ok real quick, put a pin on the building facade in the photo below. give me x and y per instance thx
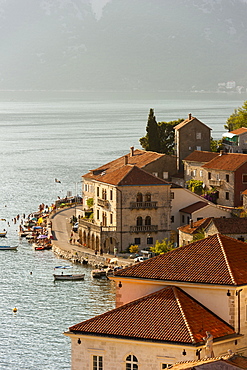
(130, 207)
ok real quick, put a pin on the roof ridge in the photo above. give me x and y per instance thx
(226, 259)
(183, 314)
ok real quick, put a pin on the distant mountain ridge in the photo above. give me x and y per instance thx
(130, 44)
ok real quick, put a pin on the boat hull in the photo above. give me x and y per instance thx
(7, 248)
(69, 277)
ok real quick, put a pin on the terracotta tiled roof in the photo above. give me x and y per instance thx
(193, 207)
(230, 225)
(188, 120)
(201, 156)
(128, 175)
(144, 319)
(244, 192)
(217, 259)
(140, 158)
(197, 225)
(227, 161)
(239, 131)
(230, 362)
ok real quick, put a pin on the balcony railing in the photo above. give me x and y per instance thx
(215, 182)
(143, 205)
(143, 228)
(102, 202)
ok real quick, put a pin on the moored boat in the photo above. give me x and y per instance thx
(3, 233)
(68, 276)
(8, 247)
(98, 273)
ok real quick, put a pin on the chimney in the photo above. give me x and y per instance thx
(131, 151)
(189, 116)
(125, 160)
(191, 223)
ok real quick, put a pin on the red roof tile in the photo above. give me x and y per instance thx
(217, 259)
(228, 362)
(128, 175)
(193, 207)
(239, 131)
(187, 121)
(227, 161)
(230, 225)
(201, 156)
(197, 225)
(140, 158)
(144, 319)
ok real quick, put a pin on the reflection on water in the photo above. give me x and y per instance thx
(32, 338)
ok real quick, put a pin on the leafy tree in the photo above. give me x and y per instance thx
(134, 249)
(238, 118)
(199, 235)
(167, 136)
(196, 186)
(216, 145)
(160, 136)
(162, 247)
(90, 202)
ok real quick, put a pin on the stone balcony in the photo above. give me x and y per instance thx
(143, 228)
(143, 205)
(102, 203)
(215, 182)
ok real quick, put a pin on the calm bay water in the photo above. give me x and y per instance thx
(63, 136)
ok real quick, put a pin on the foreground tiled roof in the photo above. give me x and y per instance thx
(193, 207)
(129, 175)
(227, 161)
(168, 315)
(239, 131)
(228, 362)
(197, 225)
(140, 158)
(201, 156)
(230, 225)
(217, 259)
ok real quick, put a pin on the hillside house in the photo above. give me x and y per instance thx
(235, 141)
(194, 162)
(186, 206)
(226, 173)
(190, 135)
(164, 307)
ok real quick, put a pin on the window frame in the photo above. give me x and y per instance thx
(132, 361)
(99, 364)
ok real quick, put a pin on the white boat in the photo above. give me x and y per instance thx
(3, 233)
(63, 276)
(98, 273)
(69, 276)
(7, 247)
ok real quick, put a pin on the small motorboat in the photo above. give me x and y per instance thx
(98, 273)
(63, 276)
(3, 233)
(69, 276)
(8, 248)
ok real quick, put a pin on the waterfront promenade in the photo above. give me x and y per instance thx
(61, 230)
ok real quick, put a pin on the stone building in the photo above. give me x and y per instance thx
(165, 308)
(190, 135)
(235, 141)
(226, 173)
(130, 207)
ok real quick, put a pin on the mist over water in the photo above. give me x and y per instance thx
(63, 135)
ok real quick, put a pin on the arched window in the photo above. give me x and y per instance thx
(148, 220)
(131, 362)
(139, 221)
(139, 197)
(148, 197)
